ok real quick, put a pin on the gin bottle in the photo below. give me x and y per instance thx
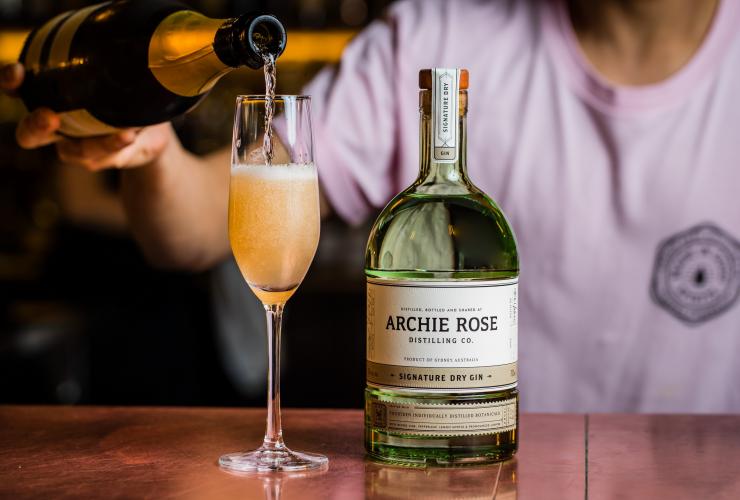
(442, 271)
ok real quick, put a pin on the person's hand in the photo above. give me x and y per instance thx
(125, 149)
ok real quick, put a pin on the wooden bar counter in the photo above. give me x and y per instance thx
(91, 452)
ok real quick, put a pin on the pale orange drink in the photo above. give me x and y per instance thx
(274, 226)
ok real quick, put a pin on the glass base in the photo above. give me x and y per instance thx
(266, 460)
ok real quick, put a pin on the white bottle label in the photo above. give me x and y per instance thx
(451, 335)
(445, 106)
(430, 419)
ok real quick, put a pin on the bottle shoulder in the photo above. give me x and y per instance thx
(424, 230)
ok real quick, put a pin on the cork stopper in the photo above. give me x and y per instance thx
(425, 79)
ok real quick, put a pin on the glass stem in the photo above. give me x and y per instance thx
(274, 432)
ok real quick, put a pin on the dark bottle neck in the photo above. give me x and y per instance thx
(244, 40)
(189, 52)
(432, 169)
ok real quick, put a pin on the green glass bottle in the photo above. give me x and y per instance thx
(442, 271)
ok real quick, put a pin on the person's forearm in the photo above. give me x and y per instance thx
(177, 208)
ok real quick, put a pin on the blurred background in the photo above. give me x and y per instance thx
(85, 320)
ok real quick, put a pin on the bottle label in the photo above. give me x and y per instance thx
(50, 44)
(57, 36)
(445, 106)
(452, 335)
(427, 419)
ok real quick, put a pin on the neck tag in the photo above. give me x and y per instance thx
(445, 106)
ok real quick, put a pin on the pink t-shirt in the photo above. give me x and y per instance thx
(625, 200)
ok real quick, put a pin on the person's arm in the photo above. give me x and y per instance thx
(177, 207)
(176, 203)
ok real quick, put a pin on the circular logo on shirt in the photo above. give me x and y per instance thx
(697, 273)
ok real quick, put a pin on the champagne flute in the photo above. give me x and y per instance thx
(274, 231)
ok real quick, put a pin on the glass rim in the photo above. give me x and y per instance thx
(278, 97)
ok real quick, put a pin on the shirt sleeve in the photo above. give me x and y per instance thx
(353, 110)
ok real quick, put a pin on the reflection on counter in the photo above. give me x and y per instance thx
(273, 482)
(497, 481)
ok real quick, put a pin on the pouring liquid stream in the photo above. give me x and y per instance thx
(268, 150)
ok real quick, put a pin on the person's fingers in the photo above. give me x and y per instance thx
(129, 148)
(91, 150)
(71, 152)
(150, 143)
(11, 77)
(37, 129)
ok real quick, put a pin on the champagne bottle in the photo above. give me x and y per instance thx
(442, 271)
(132, 63)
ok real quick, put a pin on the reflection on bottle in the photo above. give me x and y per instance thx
(465, 483)
(419, 238)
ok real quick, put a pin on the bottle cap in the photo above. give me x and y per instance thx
(425, 79)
